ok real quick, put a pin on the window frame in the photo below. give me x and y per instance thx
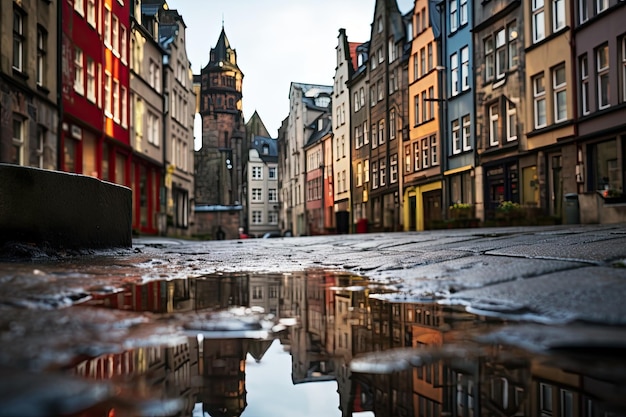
(539, 101)
(456, 137)
(467, 133)
(79, 75)
(454, 74)
(602, 74)
(42, 41)
(465, 77)
(558, 90)
(454, 16)
(511, 121)
(19, 39)
(538, 24)
(494, 124)
(583, 70)
(558, 11)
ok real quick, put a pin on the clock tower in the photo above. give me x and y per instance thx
(219, 163)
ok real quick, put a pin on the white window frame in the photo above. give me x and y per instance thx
(584, 84)
(583, 11)
(559, 88)
(257, 217)
(18, 140)
(107, 26)
(538, 21)
(603, 77)
(115, 35)
(271, 173)
(116, 100)
(374, 174)
(501, 59)
(463, 12)
(123, 44)
(417, 156)
(454, 74)
(257, 172)
(257, 195)
(91, 80)
(42, 38)
(490, 62)
(558, 15)
(381, 131)
(79, 6)
(79, 75)
(425, 153)
(91, 13)
(18, 39)
(494, 116)
(467, 133)
(511, 121)
(382, 171)
(512, 35)
(124, 106)
(272, 195)
(359, 174)
(465, 80)
(539, 101)
(393, 169)
(456, 137)
(408, 160)
(434, 151)
(454, 16)
(392, 124)
(601, 5)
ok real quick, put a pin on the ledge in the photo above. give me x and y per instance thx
(59, 210)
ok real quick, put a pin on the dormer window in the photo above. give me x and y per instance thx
(266, 149)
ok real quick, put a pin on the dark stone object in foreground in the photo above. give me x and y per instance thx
(59, 210)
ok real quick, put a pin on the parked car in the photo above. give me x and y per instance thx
(269, 235)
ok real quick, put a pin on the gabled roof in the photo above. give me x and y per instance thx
(353, 54)
(320, 132)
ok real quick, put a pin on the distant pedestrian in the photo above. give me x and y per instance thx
(220, 233)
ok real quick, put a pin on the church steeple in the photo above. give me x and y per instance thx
(223, 55)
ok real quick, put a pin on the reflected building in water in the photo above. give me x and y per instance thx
(341, 317)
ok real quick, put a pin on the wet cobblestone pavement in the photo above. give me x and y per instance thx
(507, 321)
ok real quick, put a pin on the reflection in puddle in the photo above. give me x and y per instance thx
(389, 358)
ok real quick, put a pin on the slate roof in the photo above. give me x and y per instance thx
(259, 142)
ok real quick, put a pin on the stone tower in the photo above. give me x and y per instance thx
(218, 164)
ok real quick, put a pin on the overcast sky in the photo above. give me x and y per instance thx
(277, 42)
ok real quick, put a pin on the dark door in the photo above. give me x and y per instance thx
(432, 207)
(412, 213)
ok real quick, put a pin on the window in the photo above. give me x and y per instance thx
(381, 132)
(79, 6)
(584, 84)
(392, 50)
(257, 173)
(454, 75)
(501, 61)
(271, 173)
(366, 170)
(463, 13)
(381, 90)
(538, 22)
(116, 100)
(583, 11)
(513, 35)
(558, 15)
(425, 153)
(454, 25)
(123, 43)
(382, 166)
(408, 165)
(272, 195)
(356, 102)
(257, 194)
(465, 81)
(393, 169)
(431, 103)
(601, 5)
(417, 155)
(560, 93)
(123, 105)
(153, 129)
(42, 39)
(489, 59)
(17, 150)
(539, 101)
(456, 137)
(374, 174)
(434, 155)
(494, 112)
(91, 12)
(416, 70)
(91, 80)
(605, 168)
(115, 37)
(602, 71)
(424, 107)
(392, 124)
(374, 136)
(381, 56)
(18, 39)
(372, 96)
(511, 121)
(422, 61)
(429, 48)
(107, 26)
(416, 105)
(272, 218)
(359, 174)
(466, 133)
(257, 218)
(79, 80)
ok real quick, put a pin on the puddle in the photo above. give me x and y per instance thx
(306, 344)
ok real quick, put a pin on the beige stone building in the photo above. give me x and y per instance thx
(28, 84)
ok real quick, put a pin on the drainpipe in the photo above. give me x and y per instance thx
(59, 80)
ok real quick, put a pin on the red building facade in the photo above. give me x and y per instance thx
(95, 91)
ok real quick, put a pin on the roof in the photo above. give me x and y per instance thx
(259, 143)
(318, 132)
(353, 53)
